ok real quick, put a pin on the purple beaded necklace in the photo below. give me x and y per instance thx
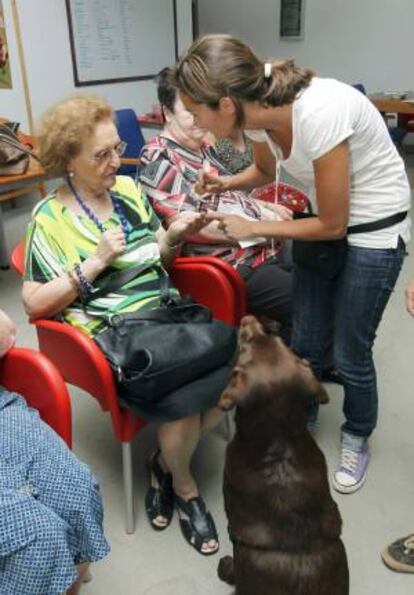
(91, 215)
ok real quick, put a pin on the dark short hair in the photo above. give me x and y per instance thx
(166, 90)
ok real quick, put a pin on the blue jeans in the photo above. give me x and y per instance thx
(350, 309)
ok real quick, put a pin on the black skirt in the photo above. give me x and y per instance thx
(196, 397)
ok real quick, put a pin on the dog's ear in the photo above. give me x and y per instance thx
(321, 395)
(318, 391)
(315, 393)
(234, 391)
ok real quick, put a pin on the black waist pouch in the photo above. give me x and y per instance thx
(327, 257)
(324, 257)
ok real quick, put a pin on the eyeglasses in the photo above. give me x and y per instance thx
(106, 155)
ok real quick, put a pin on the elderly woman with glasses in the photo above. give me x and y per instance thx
(84, 233)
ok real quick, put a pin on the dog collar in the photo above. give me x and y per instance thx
(264, 548)
(237, 541)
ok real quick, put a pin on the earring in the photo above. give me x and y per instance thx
(70, 174)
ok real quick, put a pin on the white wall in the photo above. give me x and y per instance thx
(369, 41)
(355, 40)
(49, 63)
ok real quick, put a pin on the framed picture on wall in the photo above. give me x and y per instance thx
(5, 73)
(292, 19)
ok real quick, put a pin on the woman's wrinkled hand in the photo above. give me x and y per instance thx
(234, 226)
(184, 225)
(111, 245)
(409, 297)
(210, 183)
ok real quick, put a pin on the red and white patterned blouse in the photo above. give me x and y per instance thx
(167, 177)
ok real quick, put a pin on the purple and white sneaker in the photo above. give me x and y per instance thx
(352, 470)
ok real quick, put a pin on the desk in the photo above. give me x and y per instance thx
(151, 121)
(398, 106)
(34, 175)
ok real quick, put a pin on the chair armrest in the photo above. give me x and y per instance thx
(83, 364)
(77, 356)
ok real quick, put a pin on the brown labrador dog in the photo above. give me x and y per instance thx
(284, 525)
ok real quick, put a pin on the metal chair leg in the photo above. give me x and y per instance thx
(128, 486)
(4, 258)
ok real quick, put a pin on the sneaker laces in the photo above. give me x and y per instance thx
(409, 545)
(349, 460)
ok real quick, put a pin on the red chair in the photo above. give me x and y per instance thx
(213, 282)
(81, 363)
(33, 376)
(406, 121)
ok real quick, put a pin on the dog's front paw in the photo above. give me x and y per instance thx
(225, 570)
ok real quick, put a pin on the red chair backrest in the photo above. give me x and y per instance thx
(17, 258)
(32, 375)
(214, 283)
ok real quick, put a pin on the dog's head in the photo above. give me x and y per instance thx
(268, 371)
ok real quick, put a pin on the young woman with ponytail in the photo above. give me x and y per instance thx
(332, 139)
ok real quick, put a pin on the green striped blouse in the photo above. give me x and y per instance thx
(58, 238)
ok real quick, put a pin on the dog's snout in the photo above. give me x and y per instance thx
(250, 328)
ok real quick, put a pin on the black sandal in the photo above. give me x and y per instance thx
(159, 501)
(197, 524)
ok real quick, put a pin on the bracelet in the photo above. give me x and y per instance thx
(73, 281)
(85, 288)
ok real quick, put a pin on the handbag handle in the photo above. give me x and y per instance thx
(181, 311)
(13, 141)
(123, 277)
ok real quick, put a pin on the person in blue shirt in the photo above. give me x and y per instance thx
(50, 505)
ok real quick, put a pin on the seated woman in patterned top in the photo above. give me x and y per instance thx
(50, 505)
(93, 226)
(171, 165)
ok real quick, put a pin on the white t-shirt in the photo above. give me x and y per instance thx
(325, 114)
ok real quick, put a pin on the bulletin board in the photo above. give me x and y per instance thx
(121, 40)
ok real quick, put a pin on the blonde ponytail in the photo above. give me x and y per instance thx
(219, 66)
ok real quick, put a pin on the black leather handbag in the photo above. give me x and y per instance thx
(327, 257)
(156, 351)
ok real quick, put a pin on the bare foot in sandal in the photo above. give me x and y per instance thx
(197, 525)
(159, 500)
